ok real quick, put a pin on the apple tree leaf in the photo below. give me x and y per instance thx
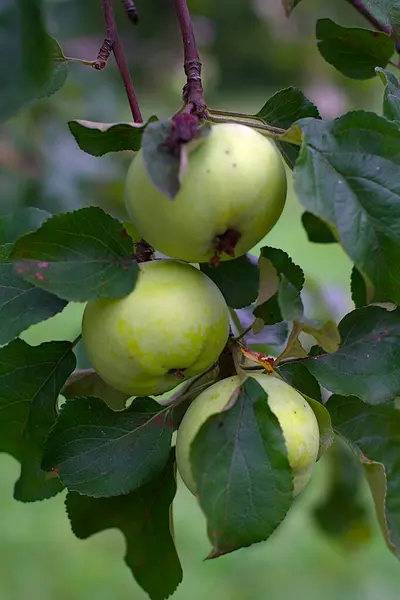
(283, 109)
(242, 473)
(59, 71)
(344, 176)
(343, 514)
(317, 231)
(98, 139)
(237, 279)
(367, 363)
(391, 96)
(166, 145)
(358, 288)
(280, 284)
(87, 383)
(353, 51)
(299, 377)
(21, 304)
(82, 255)
(373, 432)
(31, 379)
(143, 517)
(100, 452)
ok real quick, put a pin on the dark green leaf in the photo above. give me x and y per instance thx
(30, 381)
(317, 231)
(358, 288)
(59, 71)
(296, 375)
(367, 364)
(143, 517)
(21, 304)
(88, 383)
(280, 284)
(344, 175)
(289, 301)
(25, 54)
(343, 514)
(83, 255)
(374, 432)
(162, 163)
(352, 51)
(237, 279)
(98, 139)
(100, 452)
(282, 110)
(391, 97)
(242, 473)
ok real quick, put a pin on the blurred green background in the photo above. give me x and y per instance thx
(249, 51)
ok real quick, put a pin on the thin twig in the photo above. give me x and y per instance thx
(112, 35)
(359, 6)
(193, 90)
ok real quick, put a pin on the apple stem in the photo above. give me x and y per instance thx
(359, 6)
(193, 93)
(219, 116)
(112, 38)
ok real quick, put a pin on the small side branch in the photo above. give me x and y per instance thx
(193, 91)
(113, 38)
(359, 6)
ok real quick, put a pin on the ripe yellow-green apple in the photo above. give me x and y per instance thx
(173, 325)
(296, 418)
(232, 193)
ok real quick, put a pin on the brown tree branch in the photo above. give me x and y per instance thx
(113, 37)
(359, 6)
(193, 91)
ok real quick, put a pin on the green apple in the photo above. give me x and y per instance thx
(173, 325)
(235, 182)
(297, 420)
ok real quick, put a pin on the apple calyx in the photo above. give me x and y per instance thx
(225, 243)
(179, 373)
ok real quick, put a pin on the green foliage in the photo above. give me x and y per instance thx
(344, 176)
(79, 256)
(391, 97)
(98, 139)
(227, 274)
(352, 51)
(242, 473)
(367, 362)
(282, 110)
(21, 304)
(102, 453)
(143, 516)
(31, 379)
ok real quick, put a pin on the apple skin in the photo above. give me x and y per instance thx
(175, 318)
(235, 179)
(298, 422)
